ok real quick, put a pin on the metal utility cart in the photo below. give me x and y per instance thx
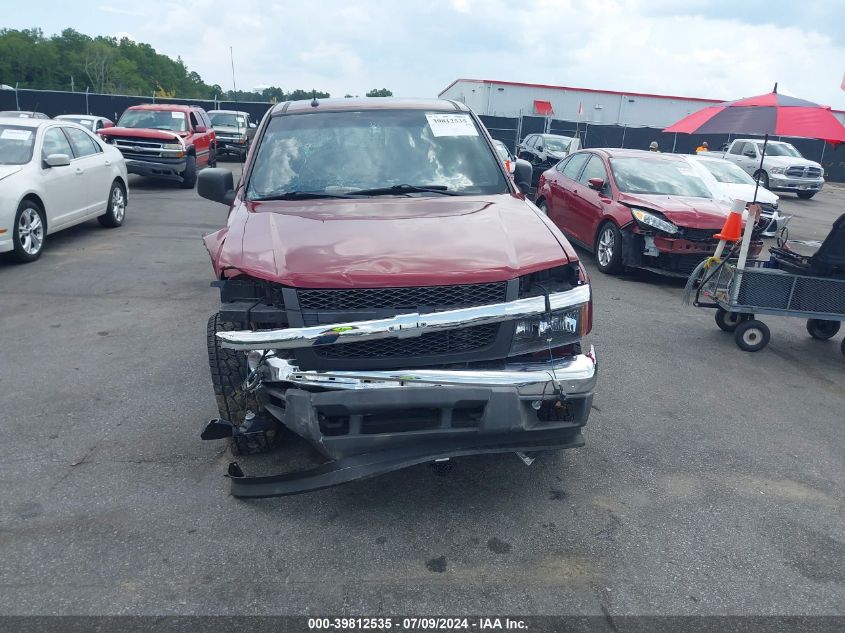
(741, 294)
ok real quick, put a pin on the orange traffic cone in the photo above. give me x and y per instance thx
(732, 230)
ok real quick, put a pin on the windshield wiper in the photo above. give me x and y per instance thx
(303, 195)
(400, 189)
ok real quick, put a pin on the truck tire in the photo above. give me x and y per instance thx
(805, 195)
(822, 330)
(228, 372)
(764, 179)
(212, 156)
(189, 176)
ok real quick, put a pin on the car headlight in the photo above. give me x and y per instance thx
(549, 331)
(778, 170)
(821, 175)
(653, 221)
(176, 146)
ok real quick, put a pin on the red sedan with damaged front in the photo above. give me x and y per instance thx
(634, 209)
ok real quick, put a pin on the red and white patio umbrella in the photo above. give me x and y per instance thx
(771, 114)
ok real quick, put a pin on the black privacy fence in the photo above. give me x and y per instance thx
(509, 130)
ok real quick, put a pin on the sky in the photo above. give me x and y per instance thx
(716, 49)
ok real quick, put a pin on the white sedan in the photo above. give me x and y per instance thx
(55, 174)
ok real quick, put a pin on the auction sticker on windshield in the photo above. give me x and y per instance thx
(16, 135)
(451, 124)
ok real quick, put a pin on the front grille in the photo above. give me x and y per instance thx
(803, 172)
(442, 297)
(699, 235)
(144, 143)
(433, 344)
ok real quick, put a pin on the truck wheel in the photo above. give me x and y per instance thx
(752, 336)
(806, 195)
(764, 179)
(116, 211)
(228, 372)
(609, 249)
(212, 156)
(821, 329)
(189, 176)
(728, 321)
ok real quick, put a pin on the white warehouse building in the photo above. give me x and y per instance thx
(512, 99)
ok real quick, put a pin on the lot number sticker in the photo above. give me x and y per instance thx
(16, 135)
(451, 124)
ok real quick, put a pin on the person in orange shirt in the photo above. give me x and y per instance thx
(701, 149)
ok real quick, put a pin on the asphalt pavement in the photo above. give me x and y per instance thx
(711, 481)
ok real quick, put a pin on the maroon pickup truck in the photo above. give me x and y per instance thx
(165, 141)
(389, 294)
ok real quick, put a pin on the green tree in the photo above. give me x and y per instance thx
(379, 92)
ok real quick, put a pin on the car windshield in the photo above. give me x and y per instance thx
(557, 144)
(341, 152)
(16, 144)
(226, 119)
(154, 119)
(725, 171)
(657, 176)
(502, 150)
(779, 149)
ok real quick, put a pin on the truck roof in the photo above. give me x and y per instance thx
(368, 103)
(174, 107)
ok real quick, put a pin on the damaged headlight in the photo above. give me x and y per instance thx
(654, 221)
(549, 331)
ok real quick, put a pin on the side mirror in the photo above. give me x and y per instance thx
(57, 160)
(200, 129)
(252, 125)
(522, 173)
(596, 183)
(540, 148)
(216, 184)
(750, 153)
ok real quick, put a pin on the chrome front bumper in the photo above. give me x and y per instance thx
(403, 325)
(570, 376)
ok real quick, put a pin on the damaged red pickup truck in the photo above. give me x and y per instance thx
(389, 294)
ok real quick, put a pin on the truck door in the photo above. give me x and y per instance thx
(745, 155)
(202, 140)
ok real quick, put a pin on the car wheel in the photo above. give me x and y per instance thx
(806, 195)
(728, 321)
(228, 371)
(609, 249)
(30, 231)
(752, 336)
(821, 329)
(116, 211)
(189, 176)
(764, 179)
(543, 207)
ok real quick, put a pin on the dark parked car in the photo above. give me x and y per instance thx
(388, 294)
(634, 209)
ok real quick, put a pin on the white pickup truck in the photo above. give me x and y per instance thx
(784, 169)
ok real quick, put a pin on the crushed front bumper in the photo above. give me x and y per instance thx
(779, 182)
(163, 168)
(369, 422)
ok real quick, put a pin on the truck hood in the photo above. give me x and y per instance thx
(789, 161)
(8, 170)
(140, 132)
(383, 242)
(694, 213)
(733, 190)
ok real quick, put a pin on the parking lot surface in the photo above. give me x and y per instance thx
(711, 482)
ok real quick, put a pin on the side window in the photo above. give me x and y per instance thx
(194, 122)
(55, 142)
(594, 169)
(99, 125)
(737, 148)
(204, 120)
(529, 140)
(83, 145)
(571, 169)
(562, 164)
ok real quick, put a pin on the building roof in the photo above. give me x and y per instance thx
(595, 90)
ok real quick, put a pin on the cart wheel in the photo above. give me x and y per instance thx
(821, 329)
(728, 321)
(752, 336)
